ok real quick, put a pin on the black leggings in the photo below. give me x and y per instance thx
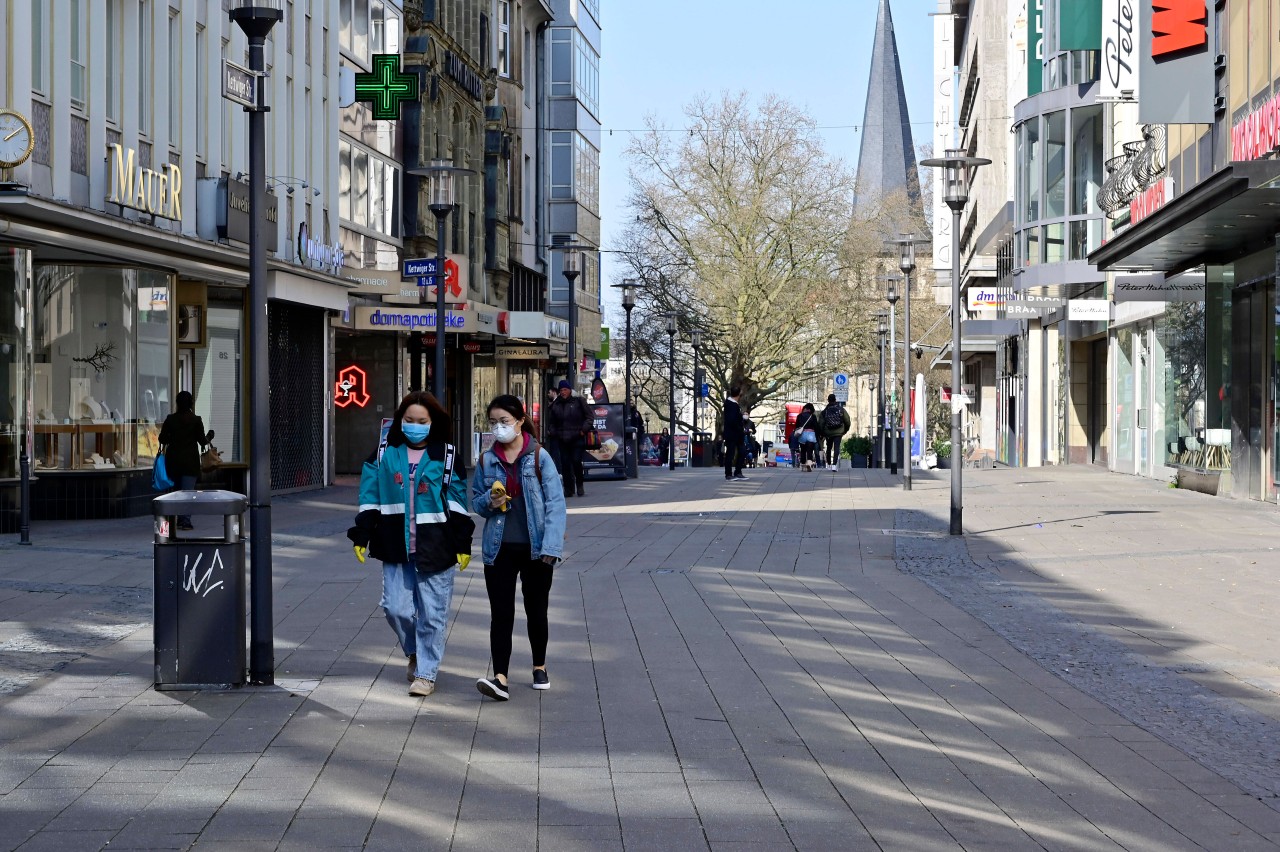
(535, 583)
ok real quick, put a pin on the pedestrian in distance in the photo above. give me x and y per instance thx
(735, 436)
(568, 421)
(517, 490)
(835, 424)
(664, 446)
(413, 517)
(807, 427)
(181, 437)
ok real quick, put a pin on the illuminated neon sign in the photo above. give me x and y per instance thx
(351, 388)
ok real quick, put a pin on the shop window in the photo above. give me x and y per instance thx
(1031, 172)
(1181, 336)
(1054, 244)
(1055, 152)
(1086, 159)
(14, 360)
(217, 377)
(101, 371)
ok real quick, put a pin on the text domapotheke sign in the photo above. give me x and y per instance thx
(1258, 133)
(145, 190)
(369, 318)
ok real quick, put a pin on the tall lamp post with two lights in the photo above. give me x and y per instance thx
(440, 200)
(628, 287)
(256, 18)
(907, 263)
(955, 168)
(695, 337)
(671, 389)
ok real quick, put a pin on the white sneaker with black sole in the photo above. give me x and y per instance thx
(493, 688)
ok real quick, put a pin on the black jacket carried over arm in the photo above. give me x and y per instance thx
(181, 436)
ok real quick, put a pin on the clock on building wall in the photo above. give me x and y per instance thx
(17, 139)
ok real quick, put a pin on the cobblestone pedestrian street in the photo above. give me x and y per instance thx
(798, 661)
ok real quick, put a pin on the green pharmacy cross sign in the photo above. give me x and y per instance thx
(387, 87)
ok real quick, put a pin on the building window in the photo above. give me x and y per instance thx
(39, 55)
(144, 68)
(526, 71)
(174, 78)
(586, 73)
(202, 91)
(562, 165)
(1031, 171)
(1055, 152)
(586, 174)
(112, 70)
(562, 62)
(79, 26)
(504, 38)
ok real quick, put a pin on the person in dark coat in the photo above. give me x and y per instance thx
(568, 421)
(734, 435)
(180, 439)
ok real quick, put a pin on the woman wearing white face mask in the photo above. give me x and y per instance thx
(517, 490)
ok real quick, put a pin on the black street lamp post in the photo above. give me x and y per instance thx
(695, 337)
(907, 263)
(955, 168)
(671, 402)
(256, 18)
(881, 330)
(628, 287)
(440, 200)
(891, 296)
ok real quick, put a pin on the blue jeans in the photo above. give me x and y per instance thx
(417, 608)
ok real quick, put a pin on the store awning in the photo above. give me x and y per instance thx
(1235, 211)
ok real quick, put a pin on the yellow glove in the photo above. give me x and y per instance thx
(464, 559)
(361, 552)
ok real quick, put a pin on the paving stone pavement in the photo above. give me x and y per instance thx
(799, 661)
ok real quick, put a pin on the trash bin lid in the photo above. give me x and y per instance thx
(199, 503)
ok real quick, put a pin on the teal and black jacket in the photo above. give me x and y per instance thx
(444, 526)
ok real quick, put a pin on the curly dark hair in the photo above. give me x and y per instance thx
(441, 423)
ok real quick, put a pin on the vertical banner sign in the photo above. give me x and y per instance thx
(1119, 49)
(1035, 47)
(1176, 39)
(1080, 25)
(943, 115)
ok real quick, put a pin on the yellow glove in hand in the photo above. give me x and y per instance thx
(464, 559)
(361, 552)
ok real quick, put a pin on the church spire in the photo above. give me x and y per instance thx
(887, 157)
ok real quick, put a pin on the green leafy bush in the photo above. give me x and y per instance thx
(858, 445)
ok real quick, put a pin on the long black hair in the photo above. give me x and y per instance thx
(513, 406)
(441, 424)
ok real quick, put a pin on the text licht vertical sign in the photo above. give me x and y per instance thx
(1035, 47)
(1120, 48)
(943, 119)
(1176, 48)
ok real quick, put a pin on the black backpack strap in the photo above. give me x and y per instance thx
(449, 454)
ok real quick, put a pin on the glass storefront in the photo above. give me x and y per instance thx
(15, 361)
(100, 371)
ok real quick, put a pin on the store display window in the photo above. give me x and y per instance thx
(15, 363)
(101, 366)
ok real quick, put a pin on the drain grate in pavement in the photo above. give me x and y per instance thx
(915, 533)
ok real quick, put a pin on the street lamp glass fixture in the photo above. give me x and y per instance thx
(671, 324)
(883, 328)
(572, 263)
(628, 286)
(955, 175)
(907, 259)
(695, 337)
(441, 178)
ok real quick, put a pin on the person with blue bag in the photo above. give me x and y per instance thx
(413, 517)
(180, 439)
(518, 491)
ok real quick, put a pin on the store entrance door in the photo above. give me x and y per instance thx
(1253, 390)
(1097, 402)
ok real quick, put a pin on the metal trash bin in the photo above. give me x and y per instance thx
(199, 592)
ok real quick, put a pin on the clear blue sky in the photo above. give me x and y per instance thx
(657, 55)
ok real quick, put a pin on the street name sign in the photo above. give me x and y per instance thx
(239, 84)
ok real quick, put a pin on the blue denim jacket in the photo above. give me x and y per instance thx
(544, 503)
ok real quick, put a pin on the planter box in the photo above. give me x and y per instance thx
(944, 462)
(859, 461)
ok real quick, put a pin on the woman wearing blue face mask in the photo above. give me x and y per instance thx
(413, 516)
(517, 490)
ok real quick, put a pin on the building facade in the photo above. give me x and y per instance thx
(125, 234)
